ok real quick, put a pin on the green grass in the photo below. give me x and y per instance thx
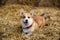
(10, 23)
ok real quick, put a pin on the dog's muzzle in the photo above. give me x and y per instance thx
(26, 22)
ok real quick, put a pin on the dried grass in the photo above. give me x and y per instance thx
(9, 23)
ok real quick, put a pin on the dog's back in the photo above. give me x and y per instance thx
(41, 19)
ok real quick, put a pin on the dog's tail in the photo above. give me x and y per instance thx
(45, 15)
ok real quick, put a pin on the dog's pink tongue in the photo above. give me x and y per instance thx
(26, 24)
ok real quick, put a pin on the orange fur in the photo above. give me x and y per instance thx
(38, 20)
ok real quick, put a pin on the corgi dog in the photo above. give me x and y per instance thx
(29, 22)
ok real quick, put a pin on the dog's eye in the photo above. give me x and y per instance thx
(28, 17)
(23, 16)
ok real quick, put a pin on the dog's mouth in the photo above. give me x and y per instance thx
(26, 23)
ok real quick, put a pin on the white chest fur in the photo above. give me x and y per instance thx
(29, 30)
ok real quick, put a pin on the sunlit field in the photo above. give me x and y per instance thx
(10, 23)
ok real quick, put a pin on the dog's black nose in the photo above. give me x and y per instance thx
(26, 21)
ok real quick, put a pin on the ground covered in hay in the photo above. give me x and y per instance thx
(9, 23)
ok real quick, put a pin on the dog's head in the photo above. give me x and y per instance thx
(26, 18)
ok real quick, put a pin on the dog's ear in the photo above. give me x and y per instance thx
(32, 12)
(21, 12)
